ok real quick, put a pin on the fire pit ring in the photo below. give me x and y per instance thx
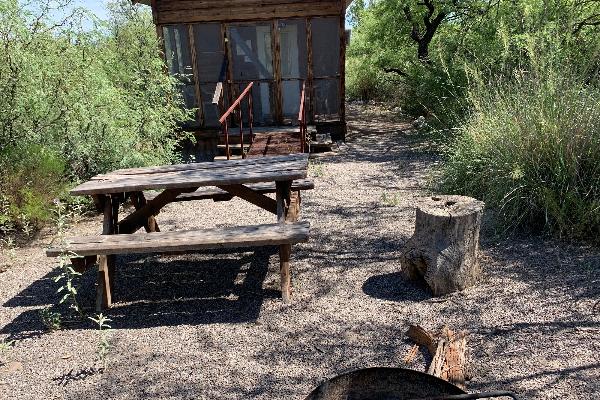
(393, 384)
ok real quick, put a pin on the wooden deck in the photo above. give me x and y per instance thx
(275, 143)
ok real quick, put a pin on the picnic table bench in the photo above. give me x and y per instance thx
(248, 179)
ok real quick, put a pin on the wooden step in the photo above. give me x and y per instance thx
(160, 242)
(217, 194)
(232, 157)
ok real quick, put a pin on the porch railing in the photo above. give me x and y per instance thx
(302, 118)
(237, 106)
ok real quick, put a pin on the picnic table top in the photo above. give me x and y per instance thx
(183, 176)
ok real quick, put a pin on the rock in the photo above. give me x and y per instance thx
(444, 248)
(14, 366)
(419, 123)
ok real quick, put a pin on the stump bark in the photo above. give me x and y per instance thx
(444, 247)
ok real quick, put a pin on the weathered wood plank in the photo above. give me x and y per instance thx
(248, 12)
(251, 196)
(242, 173)
(220, 165)
(139, 217)
(217, 194)
(243, 236)
(179, 5)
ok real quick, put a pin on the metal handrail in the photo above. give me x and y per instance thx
(302, 117)
(224, 119)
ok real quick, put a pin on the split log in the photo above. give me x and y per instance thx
(448, 349)
(443, 249)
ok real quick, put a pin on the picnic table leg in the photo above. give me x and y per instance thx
(103, 290)
(285, 251)
(106, 263)
(140, 201)
(294, 209)
(283, 196)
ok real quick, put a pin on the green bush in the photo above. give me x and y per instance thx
(77, 102)
(33, 176)
(531, 151)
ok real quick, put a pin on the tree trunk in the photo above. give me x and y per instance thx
(443, 249)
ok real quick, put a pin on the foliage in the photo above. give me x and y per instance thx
(530, 150)
(33, 176)
(77, 102)
(429, 50)
(104, 333)
(67, 275)
(51, 319)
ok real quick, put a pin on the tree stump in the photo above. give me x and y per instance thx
(443, 249)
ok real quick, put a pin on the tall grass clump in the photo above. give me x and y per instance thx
(531, 150)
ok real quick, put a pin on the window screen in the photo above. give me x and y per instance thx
(327, 97)
(252, 56)
(209, 51)
(179, 62)
(262, 103)
(292, 38)
(325, 47)
(210, 57)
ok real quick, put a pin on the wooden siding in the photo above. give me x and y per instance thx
(189, 11)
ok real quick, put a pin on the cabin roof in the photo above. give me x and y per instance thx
(148, 2)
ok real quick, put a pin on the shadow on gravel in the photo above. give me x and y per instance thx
(198, 288)
(394, 287)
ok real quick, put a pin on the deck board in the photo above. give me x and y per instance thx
(275, 143)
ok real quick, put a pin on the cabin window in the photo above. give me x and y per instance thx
(179, 62)
(326, 65)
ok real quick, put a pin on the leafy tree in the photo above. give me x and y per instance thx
(84, 100)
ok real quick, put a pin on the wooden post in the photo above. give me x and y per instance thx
(342, 87)
(276, 46)
(285, 250)
(309, 72)
(106, 264)
(194, 55)
(283, 195)
(103, 290)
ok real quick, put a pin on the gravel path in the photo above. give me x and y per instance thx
(211, 325)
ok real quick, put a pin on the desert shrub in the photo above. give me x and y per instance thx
(77, 102)
(530, 150)
(364, 81)
(433, 78)
(32, 177)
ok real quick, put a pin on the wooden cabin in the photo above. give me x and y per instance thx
(293, 51)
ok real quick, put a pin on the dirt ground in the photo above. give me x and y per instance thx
(211, 325)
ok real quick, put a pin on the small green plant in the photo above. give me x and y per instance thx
(392, 200)
(316, 169)
(103, 342)
(67, 276)
(51, 319)
(8, 244)
(6, 345)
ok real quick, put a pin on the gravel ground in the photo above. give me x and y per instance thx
(211, 325)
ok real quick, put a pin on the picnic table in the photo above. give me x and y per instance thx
(248, 179)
